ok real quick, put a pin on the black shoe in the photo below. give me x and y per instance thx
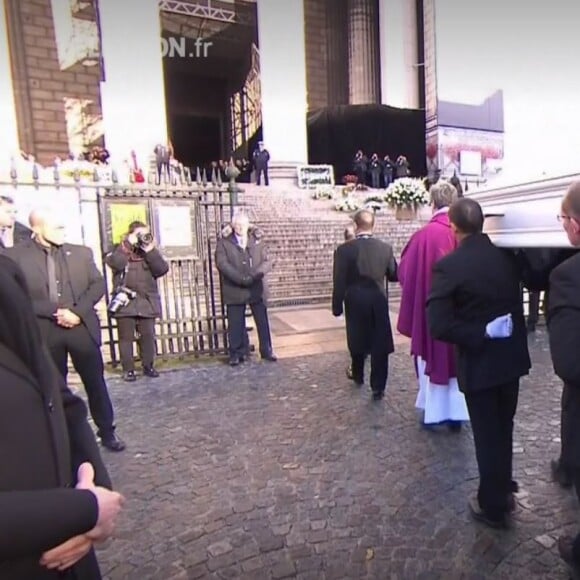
(514, 486)
(560, 474)
(234, 361)
(455, 426)
(358, 381)
(378, 395)
(566, 551)
(270, 357)
(511, 503)
(130, 377)
(479, 515)
(113, 443)
(150, 372)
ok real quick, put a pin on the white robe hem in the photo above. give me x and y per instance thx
(439, 402)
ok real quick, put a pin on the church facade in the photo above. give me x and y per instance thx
(205, 75)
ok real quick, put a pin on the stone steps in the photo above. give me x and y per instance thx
(302, 234)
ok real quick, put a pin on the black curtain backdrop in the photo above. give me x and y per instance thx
(336, 133)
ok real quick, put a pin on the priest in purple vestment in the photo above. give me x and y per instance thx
(439, 397)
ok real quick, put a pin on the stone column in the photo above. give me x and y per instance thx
(133, 91)
(337, 51)
(9, 144)
(399, 53)
(363, 45)
(283, 85)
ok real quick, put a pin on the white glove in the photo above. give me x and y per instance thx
(500, 327)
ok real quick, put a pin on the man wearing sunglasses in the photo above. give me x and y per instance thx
(563, 321)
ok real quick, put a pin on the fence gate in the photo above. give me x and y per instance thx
(186, 222)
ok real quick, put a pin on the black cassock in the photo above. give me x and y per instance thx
(361, 268)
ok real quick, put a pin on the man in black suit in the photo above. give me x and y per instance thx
(65, 286)
(475, 303)
(12, 232)
(55, 496)
(359, 288)
(563, 319)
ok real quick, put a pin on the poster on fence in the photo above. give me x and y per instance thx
(122, 215)
(174, 226)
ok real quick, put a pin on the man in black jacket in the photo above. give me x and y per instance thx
(242, 261)
(475, 303)
(564, 332)
(361, 268)
(48, 450)
(65, 286)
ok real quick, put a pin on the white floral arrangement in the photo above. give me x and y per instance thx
(324, 192)
(407, 192)
(347, 204)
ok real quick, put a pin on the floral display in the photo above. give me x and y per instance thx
(407, 192)
(347, 205)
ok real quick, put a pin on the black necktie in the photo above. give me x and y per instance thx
(51, 270)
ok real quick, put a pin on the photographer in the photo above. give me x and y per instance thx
(136, 264)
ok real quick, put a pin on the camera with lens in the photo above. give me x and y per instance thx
(121, 298)
(144, 239)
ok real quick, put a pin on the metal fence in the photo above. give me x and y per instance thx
(186, 222)
(185, 217)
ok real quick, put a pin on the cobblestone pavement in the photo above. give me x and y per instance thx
(288, 471)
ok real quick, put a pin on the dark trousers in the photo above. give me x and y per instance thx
(533, 308)
(376, 179)
(259, 171)
(163, 167)
(388, 177)
(87, 360)
(145, 327)
(570, 430)
(491, 412)
(368, 332)
(238, 335)
(379, 369)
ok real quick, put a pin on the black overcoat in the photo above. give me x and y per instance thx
(472, 286)
(564, 320)
(361, 269)
(44, 437)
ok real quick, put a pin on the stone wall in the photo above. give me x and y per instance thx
(41, 85)
(316, 53)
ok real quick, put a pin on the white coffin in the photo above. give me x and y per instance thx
(525, 214)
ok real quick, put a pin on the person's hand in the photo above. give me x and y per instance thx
(258, 276)
(66, 318)
(247, 281)
(109, 502)
(67, 554)
(500, 327)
